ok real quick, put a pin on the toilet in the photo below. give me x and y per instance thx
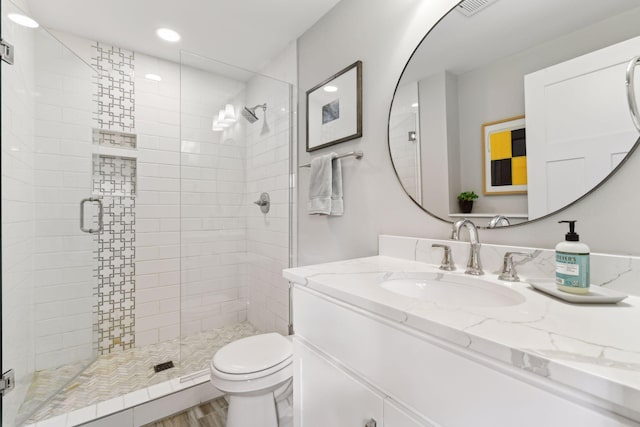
(255, 373)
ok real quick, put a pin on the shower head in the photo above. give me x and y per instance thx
(250, 113)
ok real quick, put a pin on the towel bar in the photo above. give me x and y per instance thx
(357, 154)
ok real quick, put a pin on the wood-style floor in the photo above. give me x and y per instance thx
(210, 414)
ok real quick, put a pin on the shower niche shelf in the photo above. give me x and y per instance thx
(115, 143)
(114, 163)
(115, 139)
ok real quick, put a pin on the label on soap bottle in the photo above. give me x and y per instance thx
(572, 270)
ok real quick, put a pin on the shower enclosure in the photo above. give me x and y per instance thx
(130, 236)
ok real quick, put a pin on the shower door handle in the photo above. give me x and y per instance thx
(631, 95)
(100, 215)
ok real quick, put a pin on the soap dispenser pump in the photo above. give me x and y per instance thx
(572, 263)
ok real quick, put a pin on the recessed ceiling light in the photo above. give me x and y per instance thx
(330, 89)
(168, 34)
(154, 77)
(414, 105)
(25, 21)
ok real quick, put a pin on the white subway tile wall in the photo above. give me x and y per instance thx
(196, 189)
(157, 310)
(214, 239)
(268, 142)
(18, 112)
(64, 259)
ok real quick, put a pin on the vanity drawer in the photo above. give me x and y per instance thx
(331, 397)
(429, 377)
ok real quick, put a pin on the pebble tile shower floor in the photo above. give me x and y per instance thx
(120, 373)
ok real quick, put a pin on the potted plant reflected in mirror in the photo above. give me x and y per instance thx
(465, 200)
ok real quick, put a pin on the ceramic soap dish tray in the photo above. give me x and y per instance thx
(596, 295)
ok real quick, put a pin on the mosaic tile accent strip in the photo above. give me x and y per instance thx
(114, 180)
(119, 373)
(114, 88)
(114, 176)
(111, 138)
(116, 275)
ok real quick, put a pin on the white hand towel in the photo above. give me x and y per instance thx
(337, 205)
(321, 185)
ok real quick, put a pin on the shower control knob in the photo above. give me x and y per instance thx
(264, 202)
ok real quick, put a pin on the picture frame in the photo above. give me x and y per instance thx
(504, 157)
(334, 109)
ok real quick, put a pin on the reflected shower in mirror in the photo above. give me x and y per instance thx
(522, 102)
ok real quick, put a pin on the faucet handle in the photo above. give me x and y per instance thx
(509, 272)
(447, 260)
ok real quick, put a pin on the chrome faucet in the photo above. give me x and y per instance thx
(499, 221)
(474, 267)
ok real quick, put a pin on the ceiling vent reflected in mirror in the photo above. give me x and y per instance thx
(471, 7)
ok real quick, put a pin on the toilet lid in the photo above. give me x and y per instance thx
(253, 354)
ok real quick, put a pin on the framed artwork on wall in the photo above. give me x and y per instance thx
(504, 157)
(334, 109)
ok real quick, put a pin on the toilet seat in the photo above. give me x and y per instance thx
(254, 354)
(258, 385)
(250, 375)
(252, 357)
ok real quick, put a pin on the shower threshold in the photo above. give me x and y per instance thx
(118, 374)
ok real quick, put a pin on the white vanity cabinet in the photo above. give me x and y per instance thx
(352, 365)
(331, 396)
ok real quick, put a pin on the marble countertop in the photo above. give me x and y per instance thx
(591, 348)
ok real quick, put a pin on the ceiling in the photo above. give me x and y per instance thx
(244, 33)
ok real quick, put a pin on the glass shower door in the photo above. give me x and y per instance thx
(236, 137)
(50, 218)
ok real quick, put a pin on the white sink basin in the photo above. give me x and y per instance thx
(451, 289)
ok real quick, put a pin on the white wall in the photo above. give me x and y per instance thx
(374, 201)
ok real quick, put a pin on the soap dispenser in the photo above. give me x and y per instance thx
(572, 263)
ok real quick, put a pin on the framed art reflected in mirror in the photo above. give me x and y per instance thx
(334, 109)
(504, 157)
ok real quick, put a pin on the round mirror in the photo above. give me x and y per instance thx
(510, 110)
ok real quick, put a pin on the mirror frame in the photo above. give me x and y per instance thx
(395, 171)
